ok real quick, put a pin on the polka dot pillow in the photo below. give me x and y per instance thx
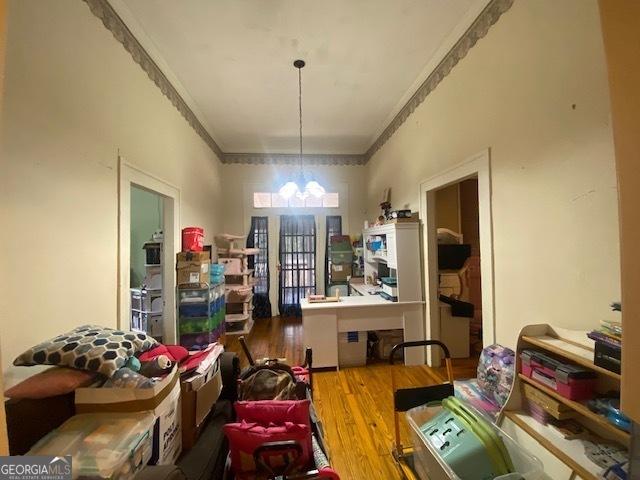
(90, 347)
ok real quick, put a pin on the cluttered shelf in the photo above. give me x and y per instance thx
(571, 350)
(582, 409)
(570, 452)
(566, 397)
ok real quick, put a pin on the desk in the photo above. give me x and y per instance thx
(321, 323)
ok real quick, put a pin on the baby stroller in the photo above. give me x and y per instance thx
(277, 434)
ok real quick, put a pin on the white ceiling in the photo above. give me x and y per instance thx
(232, 62)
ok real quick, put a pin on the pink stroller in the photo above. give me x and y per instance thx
(277, 434)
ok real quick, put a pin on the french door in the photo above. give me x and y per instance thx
(259, 238)
(297, 262)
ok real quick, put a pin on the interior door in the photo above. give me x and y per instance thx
(297, 262)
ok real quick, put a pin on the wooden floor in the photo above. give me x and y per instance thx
(354, 404)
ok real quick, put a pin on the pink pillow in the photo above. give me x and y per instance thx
(52, 382)
(245, 438)
(274, 412)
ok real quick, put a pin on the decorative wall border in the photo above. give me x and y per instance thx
(478, 29)
(292, 159)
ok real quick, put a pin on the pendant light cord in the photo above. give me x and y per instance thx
(300, 109)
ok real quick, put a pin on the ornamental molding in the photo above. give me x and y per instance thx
(478, 29)
(292, 159)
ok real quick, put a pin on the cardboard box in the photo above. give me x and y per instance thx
(387, 339)
(167, 432)
(199, 395)
(163, 400)
(193, 268)
(340, 272)
(193, 257)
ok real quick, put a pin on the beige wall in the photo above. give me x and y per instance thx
(554, 187)
(74, 97)
(621, 32)
(240, 181)
(4, 444)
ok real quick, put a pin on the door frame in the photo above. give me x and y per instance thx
(478, 165)
(128, 176)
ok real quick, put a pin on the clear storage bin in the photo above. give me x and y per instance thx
(102, 445)
(428, 463)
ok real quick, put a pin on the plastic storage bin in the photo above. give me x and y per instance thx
(102, 445)
(432, 458)
(571, 381)
(352, 349)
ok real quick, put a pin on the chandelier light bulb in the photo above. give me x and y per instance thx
(315, 189)
(289, 189)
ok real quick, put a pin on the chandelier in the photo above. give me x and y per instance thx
(292, 186)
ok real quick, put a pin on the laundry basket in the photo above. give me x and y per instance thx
(464, 456)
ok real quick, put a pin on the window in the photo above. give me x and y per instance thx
(334, 227)
(275, 200)
(259, 238)
(297, 262)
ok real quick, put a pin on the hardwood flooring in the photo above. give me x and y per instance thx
(354, 404)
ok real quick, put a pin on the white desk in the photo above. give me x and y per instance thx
(321, 323)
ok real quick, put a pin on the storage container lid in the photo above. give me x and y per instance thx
(99, 443)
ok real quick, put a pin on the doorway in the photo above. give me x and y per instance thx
(297, 262)
(145, 278)
(134, 187)
(459, 276)
(458, 250)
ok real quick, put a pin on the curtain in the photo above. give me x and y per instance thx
(297, 262)
(334, 227)
(259, 238)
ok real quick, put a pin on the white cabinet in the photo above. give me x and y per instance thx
(395, 247)
(392, 256)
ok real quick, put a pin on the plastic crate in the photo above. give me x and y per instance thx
(102, 445)
(432, 460)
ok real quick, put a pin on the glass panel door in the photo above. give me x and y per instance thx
(297, 262)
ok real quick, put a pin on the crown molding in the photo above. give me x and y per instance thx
(112, 21)
(291, 159)
(478, 29)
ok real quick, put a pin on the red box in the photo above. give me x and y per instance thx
(192, 239)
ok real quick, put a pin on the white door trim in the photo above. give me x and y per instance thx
(130, 175)
(478, 165)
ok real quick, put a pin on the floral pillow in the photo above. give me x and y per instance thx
(90, 347)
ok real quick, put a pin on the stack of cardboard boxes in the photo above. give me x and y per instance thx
(341, 258)
(200, 301)
(201, 310)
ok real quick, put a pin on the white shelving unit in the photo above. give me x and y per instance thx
(400, 252)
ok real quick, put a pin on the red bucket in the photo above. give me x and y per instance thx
(192, 239)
